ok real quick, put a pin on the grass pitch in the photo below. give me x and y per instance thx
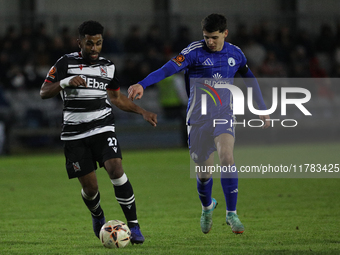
(42, 211)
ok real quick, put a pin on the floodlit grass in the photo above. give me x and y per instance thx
(42, 211)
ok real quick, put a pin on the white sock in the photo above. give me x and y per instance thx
(208, 207)
(231, 211)
(86, 196)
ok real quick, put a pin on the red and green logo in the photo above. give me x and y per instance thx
(209, 93)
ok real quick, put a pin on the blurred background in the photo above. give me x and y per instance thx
(281, 39)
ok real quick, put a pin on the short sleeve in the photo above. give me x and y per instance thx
(114, 83)
(58, 71)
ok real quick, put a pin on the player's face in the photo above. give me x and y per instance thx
(215, 40)
(91, 46)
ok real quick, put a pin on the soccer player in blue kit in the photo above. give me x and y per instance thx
(211, 58)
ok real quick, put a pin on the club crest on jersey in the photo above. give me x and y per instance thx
(231, 61)
(103, 71)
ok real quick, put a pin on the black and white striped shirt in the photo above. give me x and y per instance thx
(87, 110)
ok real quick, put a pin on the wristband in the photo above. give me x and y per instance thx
(65, 82)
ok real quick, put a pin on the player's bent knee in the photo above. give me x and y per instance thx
(114, 168)
(227, 160)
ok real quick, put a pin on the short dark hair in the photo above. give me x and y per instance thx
(90, 27)
(214, 22)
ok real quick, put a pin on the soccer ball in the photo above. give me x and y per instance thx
(115, 234)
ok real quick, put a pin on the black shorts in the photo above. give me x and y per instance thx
(82, 154)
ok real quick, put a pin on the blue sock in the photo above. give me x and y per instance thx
(204, 191)
(229, 182)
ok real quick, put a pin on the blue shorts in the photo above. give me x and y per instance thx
(201, 137)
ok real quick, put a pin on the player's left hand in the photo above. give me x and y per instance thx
(150, 117)
(266, 120)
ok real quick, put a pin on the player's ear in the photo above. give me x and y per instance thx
(226, 33)
(79, 43)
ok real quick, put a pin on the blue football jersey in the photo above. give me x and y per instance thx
(203, 70)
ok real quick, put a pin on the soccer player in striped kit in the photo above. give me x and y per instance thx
(88, 85)
(210, 59)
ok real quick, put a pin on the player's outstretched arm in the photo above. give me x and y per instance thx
(135, 91)
(123, 103)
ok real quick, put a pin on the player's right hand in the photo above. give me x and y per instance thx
(77, 81)
(135, 91)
